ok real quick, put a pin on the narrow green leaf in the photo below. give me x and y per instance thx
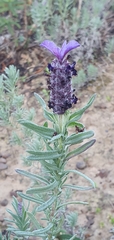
(33, 220)
(12, 214)
(32, 176)
(10, 228)
(42, 131)
(42, 158)
(72, 202)
(48, 115)
(45, 205)
(77, 187)
(27, 234)
(40, 100)
(15, 205)
(50, 166)
(42, 189)
(43, 230)
(25, 196)
(8, 220)
(82, 175)
(38, 156)
(75, 124)
(15, 217)
(77, 138)
(58, 136)
(80, 149)
(77, 115)
(74, 237)
(67, 237)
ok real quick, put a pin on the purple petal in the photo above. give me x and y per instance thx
(64, 45)
(52, 47)
(68, 47)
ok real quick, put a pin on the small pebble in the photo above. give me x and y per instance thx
(5, 154)
(1, 219)
(81, 165)
(90, 220)
(2, 160)
(14, 193)
(4, 202)
(3, 166)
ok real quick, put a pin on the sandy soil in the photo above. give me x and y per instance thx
(98, 217)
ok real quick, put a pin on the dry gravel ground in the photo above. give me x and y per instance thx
(98, 217)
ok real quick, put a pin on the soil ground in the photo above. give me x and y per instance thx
(98, 217)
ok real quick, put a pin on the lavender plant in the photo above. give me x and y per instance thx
(47, 192)
(12, 106)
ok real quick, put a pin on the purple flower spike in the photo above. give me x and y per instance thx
(62, 95)
(57, 51)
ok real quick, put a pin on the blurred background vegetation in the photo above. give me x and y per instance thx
(91, 23)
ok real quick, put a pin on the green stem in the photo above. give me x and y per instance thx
(53, 210)
(61, 123)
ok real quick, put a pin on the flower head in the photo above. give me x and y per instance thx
(57, 51)
(60, 73)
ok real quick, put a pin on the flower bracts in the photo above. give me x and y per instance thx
(60, 73)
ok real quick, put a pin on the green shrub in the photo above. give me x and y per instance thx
(9, 15)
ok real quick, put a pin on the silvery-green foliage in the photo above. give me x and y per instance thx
(5, 236)
(11, 106)
(71, 224)
(10, 77)
(46, 194)
(28, 114)
(4, 116)
(60, 19)
(18, 101)
(41, 13)
(8, 83)
(51, 16)
(20, 219)
(36, 144)
(15, 139)
(81, 79)
(9, 19)
(53, 28)
(84, 77)
(72, 219)
(1, 86)
(74, 23)
(8, 96)
(110, 46)
(91, 25)
(64, 8)
(92, 72)
(92, 17)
